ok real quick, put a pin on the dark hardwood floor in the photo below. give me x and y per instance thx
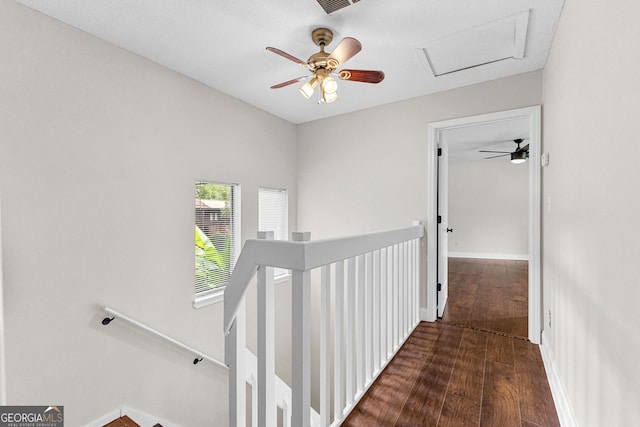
(488, 294)
(458, 373)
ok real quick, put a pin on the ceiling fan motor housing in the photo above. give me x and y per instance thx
(322, 36)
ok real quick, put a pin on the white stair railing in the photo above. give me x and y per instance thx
(374, 279)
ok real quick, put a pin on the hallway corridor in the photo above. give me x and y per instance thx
(457, 372)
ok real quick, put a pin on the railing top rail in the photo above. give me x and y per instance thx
(303, 256)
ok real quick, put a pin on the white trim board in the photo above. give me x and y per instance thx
(559, 393)
(480, 255)
(534, 116)
(3, 366)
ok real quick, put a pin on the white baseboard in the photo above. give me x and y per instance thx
(137, 416)
(424, 315)
(558, 391)
(480, 255)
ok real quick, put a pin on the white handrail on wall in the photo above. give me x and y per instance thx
(197, 353)
(374, 279)
(280, 390)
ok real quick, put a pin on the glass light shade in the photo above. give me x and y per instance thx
(330, 97)
(307, 89)
(329, 85)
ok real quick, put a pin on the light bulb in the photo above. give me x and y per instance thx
(307, 89)
(329, 85)
(330, 96)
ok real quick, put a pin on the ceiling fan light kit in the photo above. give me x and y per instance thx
(323, 65)
(519, 157)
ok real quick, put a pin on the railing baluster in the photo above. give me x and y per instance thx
(376, 311)
(325, 348)
(301, 343)
(338, 361)
(362, 376)
(416, 279)
(369, 316)
(408, 290)
(286, 415)
(403, 285)
(383, 304)
(235, 347)
(396, 298)
(350, 303)
(411, 281)
(255, 418)
(266, 413)
(390, 290)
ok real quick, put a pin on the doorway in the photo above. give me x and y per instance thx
(437, 238)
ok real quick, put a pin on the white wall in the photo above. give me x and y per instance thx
(591, 232)
(489, 208)
(99, 150)
(367, 170)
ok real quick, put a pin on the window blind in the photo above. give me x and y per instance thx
(217, 234)
(273, 216)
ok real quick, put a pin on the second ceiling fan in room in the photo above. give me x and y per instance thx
(520, 155)
(323, 65)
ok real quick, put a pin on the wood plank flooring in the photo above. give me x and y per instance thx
(452, 374)
(488, 294)
(447, 375)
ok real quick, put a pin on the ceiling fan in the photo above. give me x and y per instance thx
(323, 65)
(520, 155)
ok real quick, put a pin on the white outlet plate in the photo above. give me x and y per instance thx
(544, 159)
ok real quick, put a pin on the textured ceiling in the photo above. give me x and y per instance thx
(222, 43)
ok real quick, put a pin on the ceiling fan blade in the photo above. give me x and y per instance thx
(501, 155)
(287, 56)
(345, 50)
(289, 82)
(488, 151)
(365, 76)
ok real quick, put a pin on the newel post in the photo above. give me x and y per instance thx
(267, 415)
(301, 342)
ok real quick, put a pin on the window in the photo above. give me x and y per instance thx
(272, 216)
(217, 236)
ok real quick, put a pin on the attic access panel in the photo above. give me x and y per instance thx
(331, 6)
(485, 44)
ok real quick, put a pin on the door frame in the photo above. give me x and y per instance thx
(534, 116)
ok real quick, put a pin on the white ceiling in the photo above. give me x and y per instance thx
(465, 143)
(222, 43)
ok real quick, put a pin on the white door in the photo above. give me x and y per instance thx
(443, 226)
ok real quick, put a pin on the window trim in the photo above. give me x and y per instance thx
(206, 298)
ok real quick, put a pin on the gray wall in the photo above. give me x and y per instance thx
(489, 209)
(373, 174)
(591, 231)
(99, 151)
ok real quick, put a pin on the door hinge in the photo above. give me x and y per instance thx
(439, 152)
(439, 219)
(439, 287)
